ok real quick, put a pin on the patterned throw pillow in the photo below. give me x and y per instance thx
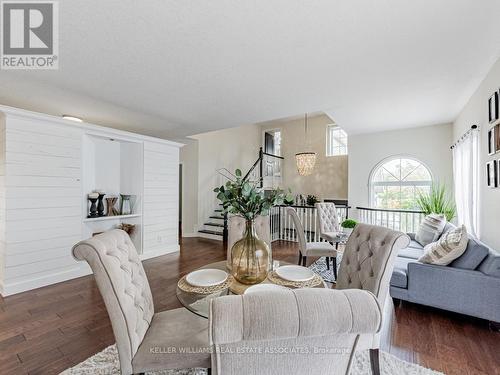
(450, 246)
(430, 229)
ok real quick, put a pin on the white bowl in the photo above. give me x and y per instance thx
(206, 277)
(259, 288)
(295, 273)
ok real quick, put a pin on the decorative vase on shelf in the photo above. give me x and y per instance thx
(125, 207)
(100, 204)
(93, 205)
(250, 257)
(111, 203)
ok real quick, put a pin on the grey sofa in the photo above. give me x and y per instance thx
(469, 285)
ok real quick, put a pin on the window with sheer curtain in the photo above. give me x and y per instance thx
(396, 182)
(336, 141)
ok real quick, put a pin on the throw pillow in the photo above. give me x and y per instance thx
(450, 246)
(430, 229)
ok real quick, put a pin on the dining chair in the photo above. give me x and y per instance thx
(313, 249)
(328, 220)
(367, 264)
(236, 229)
(146, 341)
(301, 331)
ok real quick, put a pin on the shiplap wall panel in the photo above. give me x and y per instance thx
(42, 201)
(161, 196)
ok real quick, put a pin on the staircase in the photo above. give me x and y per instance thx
(214, 227)
(267, 169)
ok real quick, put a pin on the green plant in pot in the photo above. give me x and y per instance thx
(250, 256)
(348, 226)
(437, 201)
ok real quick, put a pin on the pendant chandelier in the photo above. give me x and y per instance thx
(305, 160)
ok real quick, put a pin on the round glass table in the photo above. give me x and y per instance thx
(199, 303)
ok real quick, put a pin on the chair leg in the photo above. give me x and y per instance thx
(300, 258)
(334, 267)
(304, 261)
(327, 260)
(374, 361)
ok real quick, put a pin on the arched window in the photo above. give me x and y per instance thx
(395, 183)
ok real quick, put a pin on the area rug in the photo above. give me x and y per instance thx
(106, 363)
(320, 268)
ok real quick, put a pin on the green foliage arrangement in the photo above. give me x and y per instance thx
(348, 223)
(437, 201)
(311, 200)
(244, 198)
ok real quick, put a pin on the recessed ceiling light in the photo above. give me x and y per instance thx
(72, 118)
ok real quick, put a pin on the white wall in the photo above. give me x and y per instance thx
(430, 144)
(329, 179)
(230, 148)
(189, 160)
(476, 113)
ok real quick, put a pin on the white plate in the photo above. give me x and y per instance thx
(206, 277)
(295, 273)
(264, 288)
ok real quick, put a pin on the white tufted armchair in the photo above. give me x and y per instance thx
(328, 220)
(367, 264)
(290, 332)
(142, 337)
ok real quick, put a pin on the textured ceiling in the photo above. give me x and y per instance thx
(175, 68)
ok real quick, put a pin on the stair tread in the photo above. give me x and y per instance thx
(216, 217)
(210, 232)
(214, 224)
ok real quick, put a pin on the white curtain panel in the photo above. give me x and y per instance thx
(466, 181)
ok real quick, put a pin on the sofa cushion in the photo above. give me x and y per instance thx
(415, 245)
(474, 254)
(400, 273)
(491, 264)
(411, 252)
(430, 229)
(449, 247)
(449, 226)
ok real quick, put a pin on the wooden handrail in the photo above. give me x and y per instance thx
(391, 210)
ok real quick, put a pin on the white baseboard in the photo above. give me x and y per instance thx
(209, 236)
(196, 234)
(159, 252)
(38, 282)
(79, 270)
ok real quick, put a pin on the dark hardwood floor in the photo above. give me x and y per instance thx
(47, 330)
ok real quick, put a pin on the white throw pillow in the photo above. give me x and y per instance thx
(431, 228)
(450, 246)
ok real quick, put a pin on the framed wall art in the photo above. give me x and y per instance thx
(493, 108)
(492, 173)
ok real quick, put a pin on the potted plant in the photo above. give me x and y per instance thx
(348, 226)
(311, 200)
(437, 201)
(250, 256)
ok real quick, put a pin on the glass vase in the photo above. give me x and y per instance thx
(250, 257)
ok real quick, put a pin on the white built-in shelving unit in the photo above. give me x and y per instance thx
(47, 168)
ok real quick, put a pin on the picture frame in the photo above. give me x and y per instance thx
(492, 173)
(493, 108)
(491, 141)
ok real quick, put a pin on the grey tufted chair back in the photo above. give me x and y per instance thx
(236, 229)
(124, 287)
(328, 218)
(299, 228)
(273, 325)
(368, 259)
